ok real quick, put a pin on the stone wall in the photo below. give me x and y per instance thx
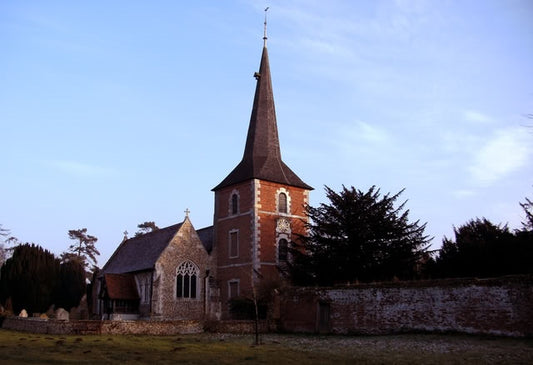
(35, 325)
(502, 306)
(239, 327)
(185, 246)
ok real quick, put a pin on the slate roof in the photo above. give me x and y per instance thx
(262, 154)
(141, 252)
(206, 236)
(121, 286)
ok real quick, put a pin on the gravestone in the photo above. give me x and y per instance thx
(62, 315)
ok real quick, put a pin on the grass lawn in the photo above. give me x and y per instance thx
(28, 348)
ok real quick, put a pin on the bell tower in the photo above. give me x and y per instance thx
(259, 206)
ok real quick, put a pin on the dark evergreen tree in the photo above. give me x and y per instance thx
(524, 240)
(30, 278)
(527, 206)
(146, 227)
(72, 284)
(3, 234)
(484, 249)
(358, 236)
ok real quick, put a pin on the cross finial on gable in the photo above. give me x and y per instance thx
(187, 211)
(125, 234)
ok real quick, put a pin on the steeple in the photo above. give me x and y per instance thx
(262, 154)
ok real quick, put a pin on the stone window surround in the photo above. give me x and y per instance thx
(190, 268)
(230, 233)
(283, 236)
(144, 284)
(286, 192)
(234, 193)
(238, 283)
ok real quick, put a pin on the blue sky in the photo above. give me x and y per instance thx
(116, 113)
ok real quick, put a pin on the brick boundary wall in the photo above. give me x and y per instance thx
(500, 306)
(50, 326)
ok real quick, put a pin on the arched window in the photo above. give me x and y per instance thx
(282, 203)
(234, 204)
(186, 280)
(283, 250)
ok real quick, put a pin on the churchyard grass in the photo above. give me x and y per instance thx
(24, 348)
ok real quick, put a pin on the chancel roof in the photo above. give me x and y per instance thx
(141, 252)
(262, 154)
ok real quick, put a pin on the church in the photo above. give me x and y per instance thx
(180, 273)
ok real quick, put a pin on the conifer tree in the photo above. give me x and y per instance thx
(71, 286)
(30, 278)
(358, 236)
(481, 248)
(146, 227)
(84, 248)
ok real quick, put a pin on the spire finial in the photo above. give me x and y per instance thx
(265, 30)
(187, 211)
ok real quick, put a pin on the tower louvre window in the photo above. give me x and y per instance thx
(234, 243)
(234, 204)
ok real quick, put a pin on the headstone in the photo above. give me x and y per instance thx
(81, 311)
(51, 311)
(83, 308)
(62, 315)
(23, 314)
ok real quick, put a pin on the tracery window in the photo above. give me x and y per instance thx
(186, 280)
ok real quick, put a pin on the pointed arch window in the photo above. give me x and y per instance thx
(282, 203)
(187, 280)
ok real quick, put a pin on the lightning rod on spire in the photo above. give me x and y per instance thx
(265, 30)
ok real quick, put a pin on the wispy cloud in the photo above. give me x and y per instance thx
(80, 169)
(507, 151)
(371, 133)
(463, 193)
(361, 133)
(476, 117)
(362, 139)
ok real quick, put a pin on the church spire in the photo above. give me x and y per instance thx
(262, 154)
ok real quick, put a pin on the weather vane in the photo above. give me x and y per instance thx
(265, 31)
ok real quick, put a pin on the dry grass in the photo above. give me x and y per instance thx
(26, 348)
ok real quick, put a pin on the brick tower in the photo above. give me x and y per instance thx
(259, 206)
